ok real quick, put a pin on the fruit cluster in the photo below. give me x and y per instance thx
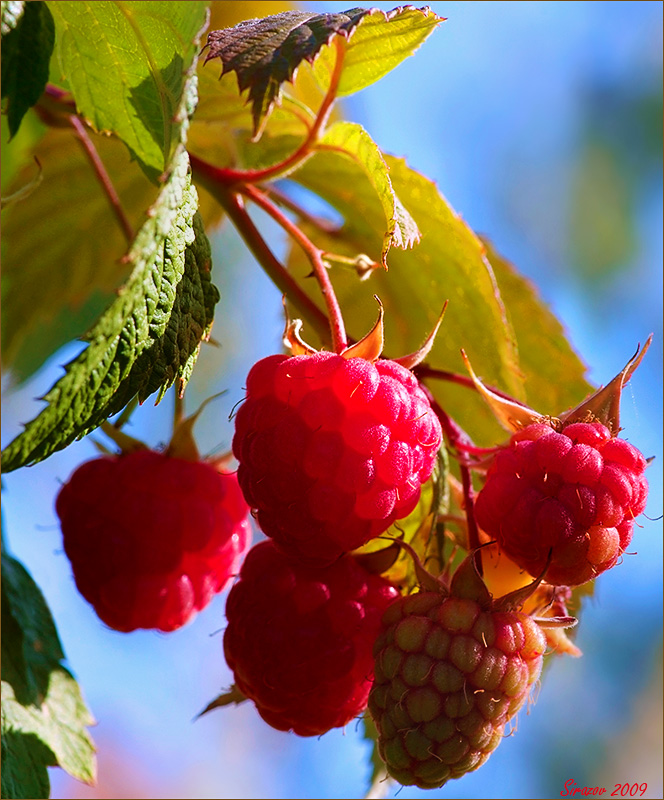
(332, 450)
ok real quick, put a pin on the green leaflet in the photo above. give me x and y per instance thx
(265, 53)
(401, 229)
(27, 44)
(44, 718)
(146, 340)
(59, 279)
(127, 64)
(554, 373)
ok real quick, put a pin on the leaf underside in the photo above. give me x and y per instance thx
(265, 53)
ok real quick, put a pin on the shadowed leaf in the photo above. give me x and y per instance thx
(146, 340)
(27, 44)
(265, 53)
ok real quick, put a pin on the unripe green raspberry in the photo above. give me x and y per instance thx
(450, 673)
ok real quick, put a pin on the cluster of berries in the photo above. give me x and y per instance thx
(332, 449)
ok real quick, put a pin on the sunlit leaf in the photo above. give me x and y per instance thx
(146, 340)
(554, 375)
(351, 139)
(448, 264)
(127, 64)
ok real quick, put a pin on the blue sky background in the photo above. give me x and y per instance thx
(505, 107)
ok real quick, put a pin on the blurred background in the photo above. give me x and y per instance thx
(541, 123)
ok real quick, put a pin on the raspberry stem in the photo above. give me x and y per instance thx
(234, 206)
(458, 438)
(315, 256)
(103, 176)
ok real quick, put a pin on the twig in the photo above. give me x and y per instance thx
(283, 280)
(315, 256)
(103, 176)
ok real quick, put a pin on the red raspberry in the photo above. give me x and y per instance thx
(450, 673)
(300, 639)
(332, 450)
(574, 494)
(151, 539)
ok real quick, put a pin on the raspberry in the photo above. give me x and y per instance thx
(573, 495)
(151, 539)
(451, 671)
(300, 639)
(332, 450)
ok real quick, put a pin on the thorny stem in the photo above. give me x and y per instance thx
(235, 208)
(231, 177)
(315, 256)
(103, 176)
(457, 438)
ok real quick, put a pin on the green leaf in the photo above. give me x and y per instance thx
(11, 12)
(351, 138)
(380, 43)
(146, 340)
(27, 44)
(378, 771)
(554, 375)
(266, 53)
(57, 280)
(127, 64)
(44, 717)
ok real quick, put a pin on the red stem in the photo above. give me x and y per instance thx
(231, 177)
(425, 371)
(315, 256)
(234, 207)
(103, 176)
(457, 438)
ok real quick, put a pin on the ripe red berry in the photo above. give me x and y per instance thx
(573, 494)
(332, 450)
(151, 539)
(300, 639)
(450, 673)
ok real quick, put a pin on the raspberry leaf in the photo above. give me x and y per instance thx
(148, 338)
(449, 263)
(379, 781)
(127, 64)
(44, 718)
(28, 36)
(351, 139)
(56, 282)
(555, 375)
(266, 53)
